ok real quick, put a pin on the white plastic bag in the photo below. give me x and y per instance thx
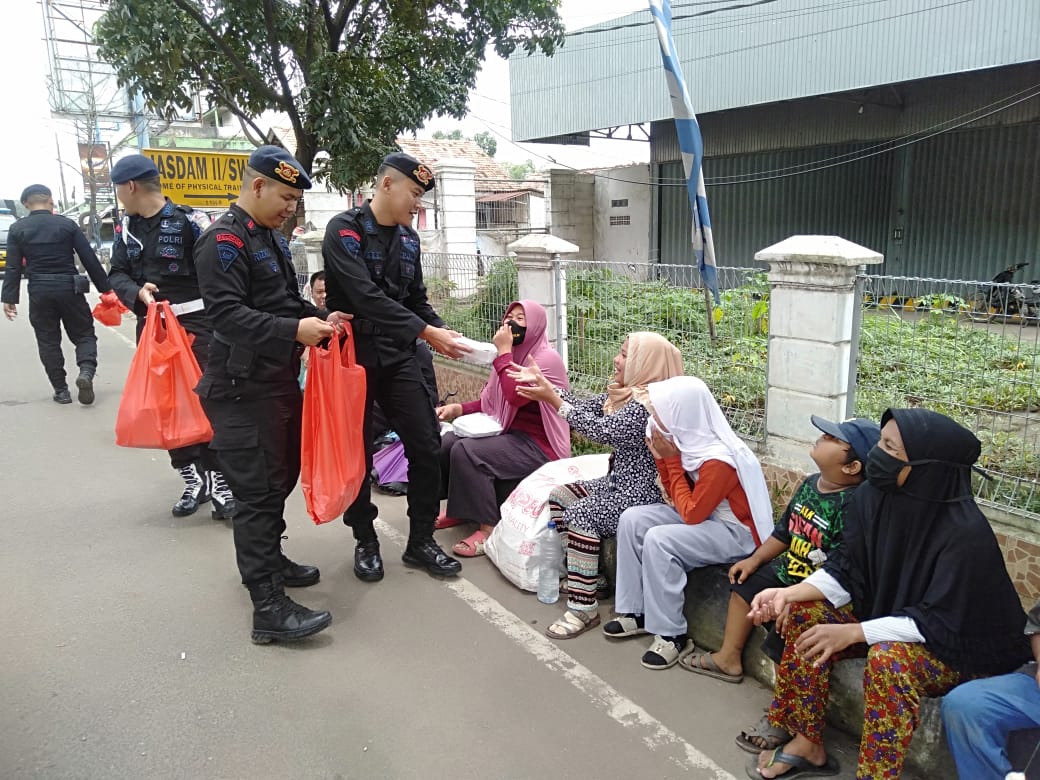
(514, 544)
(476, 426)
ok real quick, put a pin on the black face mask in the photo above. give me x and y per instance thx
(883, 470)
(519, 331)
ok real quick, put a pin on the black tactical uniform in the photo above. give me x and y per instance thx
(160, 249)
(250, 388)
(56, 289)
(251, 394)
(375, 272)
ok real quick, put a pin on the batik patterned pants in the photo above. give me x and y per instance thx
(897, 675)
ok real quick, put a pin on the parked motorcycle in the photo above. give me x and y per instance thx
(1003, 298)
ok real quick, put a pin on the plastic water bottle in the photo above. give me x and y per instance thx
(549, 567)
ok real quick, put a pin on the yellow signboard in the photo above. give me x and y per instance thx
(199, 179)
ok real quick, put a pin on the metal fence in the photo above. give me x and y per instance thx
(606, 301)
(970, 350)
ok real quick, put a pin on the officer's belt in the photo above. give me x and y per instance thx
(188, 307)
(34, 277)
(229, 343)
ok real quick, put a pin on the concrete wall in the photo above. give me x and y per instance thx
(623, 242)
(572, 199)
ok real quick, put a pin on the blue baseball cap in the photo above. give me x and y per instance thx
(862, 435)
(134, 166)
(277, 164)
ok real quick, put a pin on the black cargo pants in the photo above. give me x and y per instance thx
(48, 311)
(257, 447)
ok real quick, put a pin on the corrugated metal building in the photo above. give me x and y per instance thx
(909, 126)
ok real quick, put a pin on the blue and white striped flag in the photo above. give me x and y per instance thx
(690, 144)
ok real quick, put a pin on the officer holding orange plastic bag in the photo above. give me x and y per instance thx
(153, 258)
(373, 268)
(250, 388)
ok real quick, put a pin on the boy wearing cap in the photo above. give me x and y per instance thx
(46, 241)
(807, 530)
(250, 387)
(373, 269)
(153, 259)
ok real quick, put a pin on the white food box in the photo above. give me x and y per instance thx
(476, 426)
(482, 353)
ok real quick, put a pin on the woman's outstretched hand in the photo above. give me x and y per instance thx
(531, 382)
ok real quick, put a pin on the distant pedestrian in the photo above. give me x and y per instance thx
(46, 241)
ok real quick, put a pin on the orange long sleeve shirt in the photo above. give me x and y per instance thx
(695, 502)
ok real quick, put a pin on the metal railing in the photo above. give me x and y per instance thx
(606, 301)
(970, 350)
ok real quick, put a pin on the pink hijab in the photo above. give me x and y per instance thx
(535, 347)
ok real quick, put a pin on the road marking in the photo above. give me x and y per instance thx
(654, 734)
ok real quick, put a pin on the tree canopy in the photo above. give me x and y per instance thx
(350, 75)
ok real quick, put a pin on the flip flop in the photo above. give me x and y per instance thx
(703, 663)
(800, 767)
(571, 624)
(443, 521)
(472, 546)
(773, 736)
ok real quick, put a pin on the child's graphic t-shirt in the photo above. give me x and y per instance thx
(812, 521)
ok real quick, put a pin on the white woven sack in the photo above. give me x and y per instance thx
(515, 543)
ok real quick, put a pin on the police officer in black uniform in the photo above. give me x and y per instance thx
(250, 388)
(46, 241)
(153, 259)
(373, 269)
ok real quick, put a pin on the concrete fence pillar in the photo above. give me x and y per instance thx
(812, 307)
(457, 219)
(541, 277)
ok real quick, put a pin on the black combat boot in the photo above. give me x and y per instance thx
(298, 575)
(85, 384)
(428, 554)
(368, 563)
(196, 491)
(277, 618)
(62, 395)
(224, 505)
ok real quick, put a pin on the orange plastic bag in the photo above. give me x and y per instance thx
(110, 310)
(159, 408)
(332, 452)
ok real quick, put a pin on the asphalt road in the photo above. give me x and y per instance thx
(125, 652)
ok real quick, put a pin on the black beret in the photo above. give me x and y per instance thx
(412, 168)
(277, 164)
(35, 190)
(134, 166)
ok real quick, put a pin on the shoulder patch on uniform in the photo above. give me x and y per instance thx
(227, 254)
(230, 238)
(344, 233)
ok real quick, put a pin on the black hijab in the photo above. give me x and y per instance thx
(926, 551)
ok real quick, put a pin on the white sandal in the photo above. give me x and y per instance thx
(571, 624)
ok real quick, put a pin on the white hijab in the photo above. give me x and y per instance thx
(701, 432)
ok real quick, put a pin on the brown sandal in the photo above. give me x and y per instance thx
(571, 624)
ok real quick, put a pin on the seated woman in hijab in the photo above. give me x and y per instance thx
(532, 432)
(918, 585)
(717, 510)
(588, 511)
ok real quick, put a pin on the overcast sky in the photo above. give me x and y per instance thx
(31, 137)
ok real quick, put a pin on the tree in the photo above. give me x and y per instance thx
(487, 142)
(350, 76)
(520, 171)
(454, 135)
